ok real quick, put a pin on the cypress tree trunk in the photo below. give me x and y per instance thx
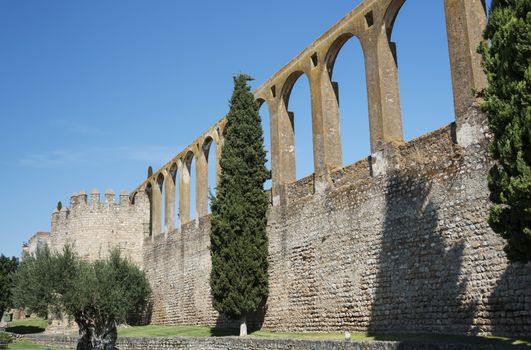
(243, 326)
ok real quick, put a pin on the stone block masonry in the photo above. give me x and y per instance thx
(406, 251)
(94, 227)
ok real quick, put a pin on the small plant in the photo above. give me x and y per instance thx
(150, 172)
(59, 206)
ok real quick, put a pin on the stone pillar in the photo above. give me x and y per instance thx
(201, 184)
(184, 192)
(385, 120)
(169, 202)
(282, 147)
(465, 22)
(156, 208)
(325, 121)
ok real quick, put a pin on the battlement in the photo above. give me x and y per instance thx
(81, 199)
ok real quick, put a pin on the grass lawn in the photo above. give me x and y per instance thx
(38, 325)
(201, 331)
(26, 345)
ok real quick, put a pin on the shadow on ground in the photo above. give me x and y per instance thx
(24, 329)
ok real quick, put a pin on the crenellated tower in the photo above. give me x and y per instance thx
(94, 226)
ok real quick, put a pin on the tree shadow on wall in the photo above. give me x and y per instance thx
(418, 288)
(510, 302)
(142, 315)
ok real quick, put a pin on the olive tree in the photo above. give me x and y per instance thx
(97, 295)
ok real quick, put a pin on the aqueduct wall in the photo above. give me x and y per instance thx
(395, 242)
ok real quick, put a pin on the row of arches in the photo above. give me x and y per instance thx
(314, 139)
(181, 191)
(373, 103)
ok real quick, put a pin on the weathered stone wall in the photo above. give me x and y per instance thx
(408, 250)
(94, 227)
(232, 343)
(178, 269)
(37, 241)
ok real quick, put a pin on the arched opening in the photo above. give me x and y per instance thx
(173, 196)
(191, 170)
(418, 28)
(264, 116)
(209, 150)
(297, 102)
(160, 206)
(149, 193)
(133, 198)
(346, 68)
(176, 175)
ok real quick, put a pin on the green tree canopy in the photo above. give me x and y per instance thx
(98, 295)
(7, 267)
(507, 102)
(238, 240)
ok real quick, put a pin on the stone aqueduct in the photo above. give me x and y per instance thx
(396, 242)
(372, 23)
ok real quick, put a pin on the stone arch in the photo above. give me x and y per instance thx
(288, 85)
(266, 130)
(286, 123)
(206, 174)
(349, 110)
(157, 204)
(415, 72)
(170, 177)
(391, 13)
(464, 21)
(207, 142)
(132, 198)
(149, 193)
(333, 51)
(185, 187)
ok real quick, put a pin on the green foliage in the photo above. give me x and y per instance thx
(59, 206)
(507, 101)
(150, 172)
(7, 267)
(43, 279)
(238, 240)
(96, 294)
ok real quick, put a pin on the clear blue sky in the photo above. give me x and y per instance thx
(92, 92)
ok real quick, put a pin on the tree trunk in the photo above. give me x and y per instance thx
(96, 336)
(243, 326)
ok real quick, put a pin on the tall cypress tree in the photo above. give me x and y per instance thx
(507, 102)
(238, 240)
